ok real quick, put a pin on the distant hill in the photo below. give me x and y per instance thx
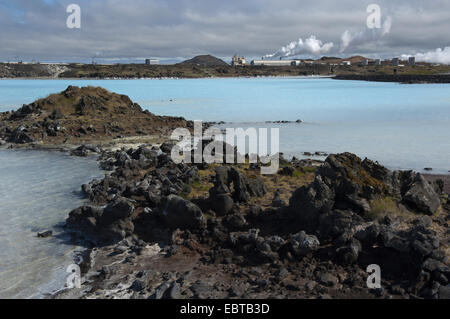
(205, 61)
(356, 59)
(353, 59)
(326, 58)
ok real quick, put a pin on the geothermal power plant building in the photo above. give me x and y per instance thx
(151, 61)
(238, 61)
(299, 62)
(272, 62)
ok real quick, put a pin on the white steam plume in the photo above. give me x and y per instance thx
(438, 56)
(350, 41)
(311, 45)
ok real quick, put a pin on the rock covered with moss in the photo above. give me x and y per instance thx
(345, 182)
(82, 115)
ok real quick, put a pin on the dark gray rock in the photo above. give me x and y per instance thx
(336, 223)
(110, 224)
(349, 254)
(161, 290)
(19, 136)
(432, 265)
(122, 158)
(422, 196)
(86, 189)
(153, 198)
(302, 244)
(444, 292)
(328, 280)
(423, 247)
(180, 213)
(309, 202)
(222, 204)
(115, 231)
(85, 150)
(219, 189)
(167, 147)
(174, 292)
(277, 201)
(240, 182)
(287, 171)
(200, 290)
(256, 187)
(222, 174)
(138, 285)
(398, 243)
(45, 234)
(235, 222)
(276, 242)
(119, 209)
(368, 235)
(85, 218)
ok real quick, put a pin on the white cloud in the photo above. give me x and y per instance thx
(438, 56)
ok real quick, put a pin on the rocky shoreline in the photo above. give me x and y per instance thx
(161, 230)
(156, 229)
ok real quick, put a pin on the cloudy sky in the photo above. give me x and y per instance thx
(176, 29)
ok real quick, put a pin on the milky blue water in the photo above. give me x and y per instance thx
(402, 126)
(37, 191)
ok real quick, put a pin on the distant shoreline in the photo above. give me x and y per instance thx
(175, 78)
(219, 69)
(401, 78)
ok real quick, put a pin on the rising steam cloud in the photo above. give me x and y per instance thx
(311, 45)
(349, 41)
(438, 56)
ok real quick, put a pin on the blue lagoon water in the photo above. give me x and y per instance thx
(401, 126)
(37, 191)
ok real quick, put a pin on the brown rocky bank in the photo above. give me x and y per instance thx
(78, 116)
(165, 230)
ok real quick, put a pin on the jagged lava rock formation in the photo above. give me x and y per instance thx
(170, 236)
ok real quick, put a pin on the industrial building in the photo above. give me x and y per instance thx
(151, 61)
(272, 62)
(336, 61)
(238, 61)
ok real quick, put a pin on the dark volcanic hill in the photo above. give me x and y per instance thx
(80, 115)
(205, 61)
